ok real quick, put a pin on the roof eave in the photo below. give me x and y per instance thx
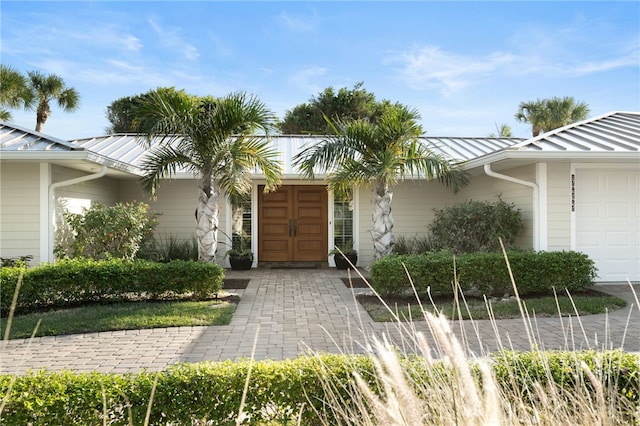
(587, 156)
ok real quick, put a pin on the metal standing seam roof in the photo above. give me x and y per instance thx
(128, 148)
(17, 139)
(612, 132)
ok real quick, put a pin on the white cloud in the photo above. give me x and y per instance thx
(306, 79)
(302, 24)
(429, 67)
(171, 38)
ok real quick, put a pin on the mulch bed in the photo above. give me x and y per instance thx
(235, 283)
(354, 282)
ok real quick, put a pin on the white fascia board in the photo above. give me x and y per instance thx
(550, 156)
(88, 156)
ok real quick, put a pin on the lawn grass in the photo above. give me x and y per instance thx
(121, 316)
(585, 304)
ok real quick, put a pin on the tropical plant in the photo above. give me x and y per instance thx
(14, 91)
(47, 88)
(104, 232)
(121, 113)
(213, 138)
(548, 114)
(504, 131)
(378, 154)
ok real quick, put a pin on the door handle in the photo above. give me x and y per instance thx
(295, 227)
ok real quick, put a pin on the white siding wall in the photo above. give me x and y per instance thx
(414, 204)
(20, 214)
(104, 190)
(559, 206)
(485, 188)
(177, 201)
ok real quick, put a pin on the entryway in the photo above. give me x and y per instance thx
(292, 224)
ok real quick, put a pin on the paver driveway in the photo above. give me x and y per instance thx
(292, 311)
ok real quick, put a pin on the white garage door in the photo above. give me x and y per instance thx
(608, 221)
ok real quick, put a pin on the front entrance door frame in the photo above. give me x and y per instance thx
(330, 206)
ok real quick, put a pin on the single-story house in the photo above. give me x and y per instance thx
(578, 188)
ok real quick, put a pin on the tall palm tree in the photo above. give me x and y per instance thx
(215, 139)
(547, 114)
(534, 113)
(14, 91)
(379, 154)
(565, 111)
(47, 88)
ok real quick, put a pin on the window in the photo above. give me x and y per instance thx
(343, 223)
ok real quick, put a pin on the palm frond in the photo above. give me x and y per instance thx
(162, 162)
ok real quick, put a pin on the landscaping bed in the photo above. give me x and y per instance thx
(586, 302)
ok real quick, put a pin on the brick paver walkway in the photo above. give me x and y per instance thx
(292, 311)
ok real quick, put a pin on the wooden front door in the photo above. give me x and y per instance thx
(292, 224)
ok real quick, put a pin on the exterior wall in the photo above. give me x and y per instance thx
(486, 188)
(177, 201)
(559, 206)
(20, 212)
(104, 190)
(414, 203)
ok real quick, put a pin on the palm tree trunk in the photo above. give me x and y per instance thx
(42, 114)
(382, 220)
(207, 220)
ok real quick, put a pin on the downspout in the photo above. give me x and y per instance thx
(52, 203)
(536, 200)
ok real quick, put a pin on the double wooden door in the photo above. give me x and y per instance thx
(292, 224)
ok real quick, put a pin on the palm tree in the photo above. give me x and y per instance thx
(534, 113)
(548, 114)
(565, 111)
(378, 154)
(14, 91)
(46, 88)
(215, 140)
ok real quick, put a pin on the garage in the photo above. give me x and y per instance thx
(607, 220)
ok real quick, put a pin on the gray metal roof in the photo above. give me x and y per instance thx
(128, 148)
(612, 132)
(15, 138)
(616, 132)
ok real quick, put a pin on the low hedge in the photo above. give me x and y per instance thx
(483, 273)
(278, 390)
(80, 281)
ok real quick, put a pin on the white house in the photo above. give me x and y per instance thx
(578, 188)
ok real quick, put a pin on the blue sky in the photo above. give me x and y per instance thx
(464, 65)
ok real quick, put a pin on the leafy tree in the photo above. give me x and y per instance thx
(47, 88)
(121, 113)
(212, 138)
(14, 91)
(345, 104)
(379, 154)
(548, 114)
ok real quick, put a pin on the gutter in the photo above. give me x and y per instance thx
(52, 203)
(536, 200)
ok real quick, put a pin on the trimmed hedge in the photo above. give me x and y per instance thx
(278, 390)
(484, 273)
(80, 281)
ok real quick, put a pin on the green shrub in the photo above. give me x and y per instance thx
(486, 273)
(278, 390)
(103, 232)
(412, 245)
(79, 281)
(168, 248)
(475, 226)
